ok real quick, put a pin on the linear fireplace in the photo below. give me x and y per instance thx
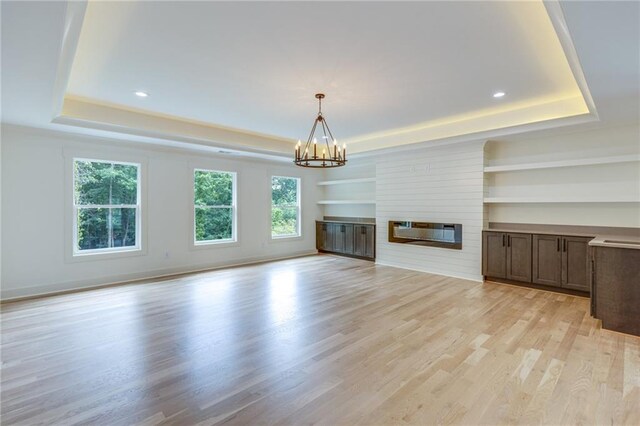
(445, 235)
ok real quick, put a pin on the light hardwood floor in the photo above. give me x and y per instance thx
(320, 339)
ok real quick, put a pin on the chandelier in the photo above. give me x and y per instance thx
(328, 154)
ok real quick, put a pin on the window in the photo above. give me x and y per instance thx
(285, 207)
(214, 206)
(106, 205)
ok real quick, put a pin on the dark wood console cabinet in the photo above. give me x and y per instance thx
(561, 261)
(549, 260)
(350, 239)
(506, 255)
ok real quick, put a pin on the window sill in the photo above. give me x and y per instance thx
(285, 238)
(104, 255)
(214, 244)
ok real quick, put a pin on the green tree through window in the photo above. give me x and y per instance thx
(285, 206)
(214, 203)
(106, 203)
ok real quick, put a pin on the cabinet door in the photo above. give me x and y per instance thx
(347, 234)
(359, 240)
(575, 263)
(494, 254)
(519, 257)
(370, 241)
(324, 236)
(547, 260)
(364, 241)
(320, 231)
(338, 237)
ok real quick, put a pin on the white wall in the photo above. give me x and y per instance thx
(594, 181)
(34, 209)
(440, 184)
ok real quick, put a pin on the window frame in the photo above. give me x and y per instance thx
(75, 250)
(234, 210)
(298, 206)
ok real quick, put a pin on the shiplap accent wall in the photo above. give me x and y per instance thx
(439, 184)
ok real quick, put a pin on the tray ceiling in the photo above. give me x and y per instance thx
(243, 74)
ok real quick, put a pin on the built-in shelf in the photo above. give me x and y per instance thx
(557, 200)
(346, 202)
(346, 181)
(563, 163)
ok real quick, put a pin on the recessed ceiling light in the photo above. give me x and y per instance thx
(499, 94)
(141, 94)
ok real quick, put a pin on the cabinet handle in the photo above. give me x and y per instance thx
(503, 239)
(564, 244)
(508, 240)
(558, 243)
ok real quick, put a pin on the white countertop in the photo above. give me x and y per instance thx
(616, 241)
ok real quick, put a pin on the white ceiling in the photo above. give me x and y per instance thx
(256, 66)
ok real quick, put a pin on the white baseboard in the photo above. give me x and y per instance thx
(474, 278)
(71, 286)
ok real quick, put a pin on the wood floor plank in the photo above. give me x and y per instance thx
(314, 340)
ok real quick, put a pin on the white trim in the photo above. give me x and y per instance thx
(563, 163)
(134, 278)
(114, 155)
(74, 17)
(482, 136)
(474, 278)
(298, 205)
(558, 200)
(347, 202)
(554, 10)
(346, 181)
(136, 249)
(226, 242)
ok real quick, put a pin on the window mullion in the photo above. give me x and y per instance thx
(97, 217)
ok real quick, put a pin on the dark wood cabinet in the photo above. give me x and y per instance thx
(547, 260)
(364, 241)
(342, 238)
(494, 254)
(550, 260)
(575, 263)
(506, 255)
(616, 288)
(324, 236)
(519, 257)
(351, 239)
(561, 261)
